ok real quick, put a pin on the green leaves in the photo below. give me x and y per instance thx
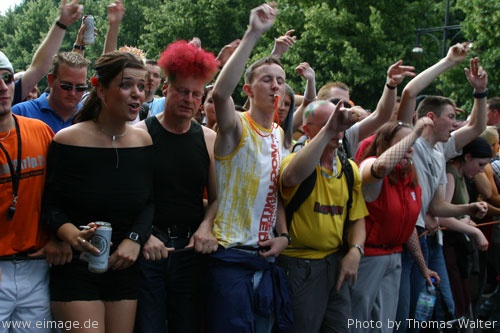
(350, 41)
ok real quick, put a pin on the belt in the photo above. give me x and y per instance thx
(172, 232)
(21, 256)
(250, 248)
(175, 231)
(381, 246)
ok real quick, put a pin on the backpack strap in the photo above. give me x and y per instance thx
(344, 148)
(299, 144)
(304, 190)
(349, 175)
(306, 187)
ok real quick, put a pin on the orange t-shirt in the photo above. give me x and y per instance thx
(25, 231)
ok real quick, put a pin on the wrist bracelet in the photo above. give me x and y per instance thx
(60, 25)
(481, 94)
(309, 100)
(390, 87)
(79, 47)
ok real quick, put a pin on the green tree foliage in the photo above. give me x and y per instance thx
(343, 40)
(480, 24)
(215, 22)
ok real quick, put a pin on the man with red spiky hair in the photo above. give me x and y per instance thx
(173, 284)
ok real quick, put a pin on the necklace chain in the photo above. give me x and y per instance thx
(5, 137)
(113, 139)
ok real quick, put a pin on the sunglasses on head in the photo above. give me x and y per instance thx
(337, 100)
(7, 78)
(69, 87)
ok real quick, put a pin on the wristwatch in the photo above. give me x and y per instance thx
(134, 236)
(287, 236)
(360, 248)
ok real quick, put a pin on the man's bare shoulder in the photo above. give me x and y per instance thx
(141, 125)
(208, 132)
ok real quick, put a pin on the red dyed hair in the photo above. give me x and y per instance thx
(184, 59)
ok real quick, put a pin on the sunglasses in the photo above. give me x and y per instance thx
(69, 87)
(7, 78)
(344, 103)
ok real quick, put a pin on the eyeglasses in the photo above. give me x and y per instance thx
(7, 78)
(344, 103)
(185, 92)
(69, 87)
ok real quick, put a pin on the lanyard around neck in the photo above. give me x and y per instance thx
(14, 174)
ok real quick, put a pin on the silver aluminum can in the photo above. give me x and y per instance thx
(88, 34)
(101, 240)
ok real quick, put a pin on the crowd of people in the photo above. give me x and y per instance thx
(290, 213)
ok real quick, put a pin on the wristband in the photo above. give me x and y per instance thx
(374, 175)
(481, 94)
(390, 87)
(79, 47)
(60, 25)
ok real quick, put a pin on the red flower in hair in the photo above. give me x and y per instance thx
(94, 81)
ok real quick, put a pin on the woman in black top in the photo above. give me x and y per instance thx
(100, 169)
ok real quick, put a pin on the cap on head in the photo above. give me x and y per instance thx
(5, 63)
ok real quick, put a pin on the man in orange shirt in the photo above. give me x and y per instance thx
(24, 274)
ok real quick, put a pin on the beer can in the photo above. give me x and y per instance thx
(98, 263)
(88, 34)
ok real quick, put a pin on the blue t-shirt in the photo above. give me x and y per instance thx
(156, 106)
(40, 109)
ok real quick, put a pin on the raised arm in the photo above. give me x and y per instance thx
(456, 55)
(375, 170)
(116, 12)
(304, 163)
(42, 59)
(478, 79)
(79, 45)
(306, 72)
(261, 19)
(395, 75)
(226, 52)
(283, 43)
